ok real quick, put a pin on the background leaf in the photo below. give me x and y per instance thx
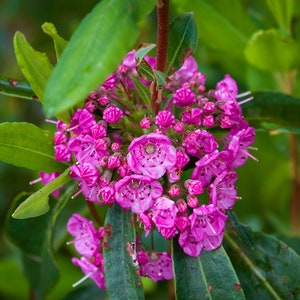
(59, 42)
(34, 65)
(16, 88)
(32, 237)
(95, 49)
(121, 283)
(207, 276)
(271, 50)
(37, 204)
(183, 38)
(267, 268)
(25, 145)
(273, 107)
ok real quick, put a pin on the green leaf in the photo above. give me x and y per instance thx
(160, 78)
(98, 45)
(143, 92)
(34, 65)
(224, 26)
(119, 269)
(16, 88)
(267, 267)
(59, 42)
(86, 292)
(183, 38)
(208, 276)
(142, 51)
(272, 51)
(282, 12)
(37, 204)
(33, 238)
(25, 145)
(273, 107)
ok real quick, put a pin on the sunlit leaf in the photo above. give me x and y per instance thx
(207, 276)
(35, 65)
(16, 88)
(117, 255)
(38, 203)
(267, 268)
(143, 91)
(183, 38)
(25, 145)
(59, 42)
(142, 51)
(273, 107)
(271, 50)
(95, 49)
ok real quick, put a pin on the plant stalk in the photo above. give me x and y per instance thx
(162, 9)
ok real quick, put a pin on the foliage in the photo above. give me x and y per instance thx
(257, 43)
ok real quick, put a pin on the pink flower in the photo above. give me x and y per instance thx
(184, 97)
(95, 272)
(62, 153)
(164, 213)
(151, 155)
(82, 121)
(194, 187)
(207, 220)
(108, 194)
(112, 114)
(165, 119)
(137, 192)
(87, 242)
(192, 116)
(189, 244)
(158, 267)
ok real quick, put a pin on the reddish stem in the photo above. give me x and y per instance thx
(162, 9)
(94, 213)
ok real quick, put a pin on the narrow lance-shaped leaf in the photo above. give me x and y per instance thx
(142, 51)
(273, 107)
(25, 145)
(143, 91)
(98, 45)
(119, 269)
(33, 238)
(208, 276)
(16, 88)
(267, 268)
(59, 42)
(183, 38)
(37, 204)
(34, 65)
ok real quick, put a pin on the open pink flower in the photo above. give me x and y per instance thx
(151, 155)
(137, 192)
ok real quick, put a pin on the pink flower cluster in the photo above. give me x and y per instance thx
(171, 169)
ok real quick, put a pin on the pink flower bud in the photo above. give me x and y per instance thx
(145, 123)
(192, 201)
(181, 205)
(174, 191)
(194, 187)
(112, 114)
(165, 119)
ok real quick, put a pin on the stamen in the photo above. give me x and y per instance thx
(76, 194)
(51, 121)
(88, 275)
(35, 181)
(245, 101)
(243, 94)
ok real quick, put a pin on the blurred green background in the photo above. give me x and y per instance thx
(265, 186)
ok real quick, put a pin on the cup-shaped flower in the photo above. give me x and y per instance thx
(207, 220)
(151, 155)
(137, 192)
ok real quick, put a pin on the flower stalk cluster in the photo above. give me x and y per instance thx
(175, 169)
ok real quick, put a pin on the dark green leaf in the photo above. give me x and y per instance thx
(33, 238)
(143, 91)
(34, 65)
(271, 50)
(119, 269)
(142, 51)
(25, 145)
(37, 204)
(59, 42)
(183, 38)
(277, 108)
(16, 88)
(267, 268)
(86, 292)
(208, 276)
(224, 26)
(98, 45)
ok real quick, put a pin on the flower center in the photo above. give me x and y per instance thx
(150, 148)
